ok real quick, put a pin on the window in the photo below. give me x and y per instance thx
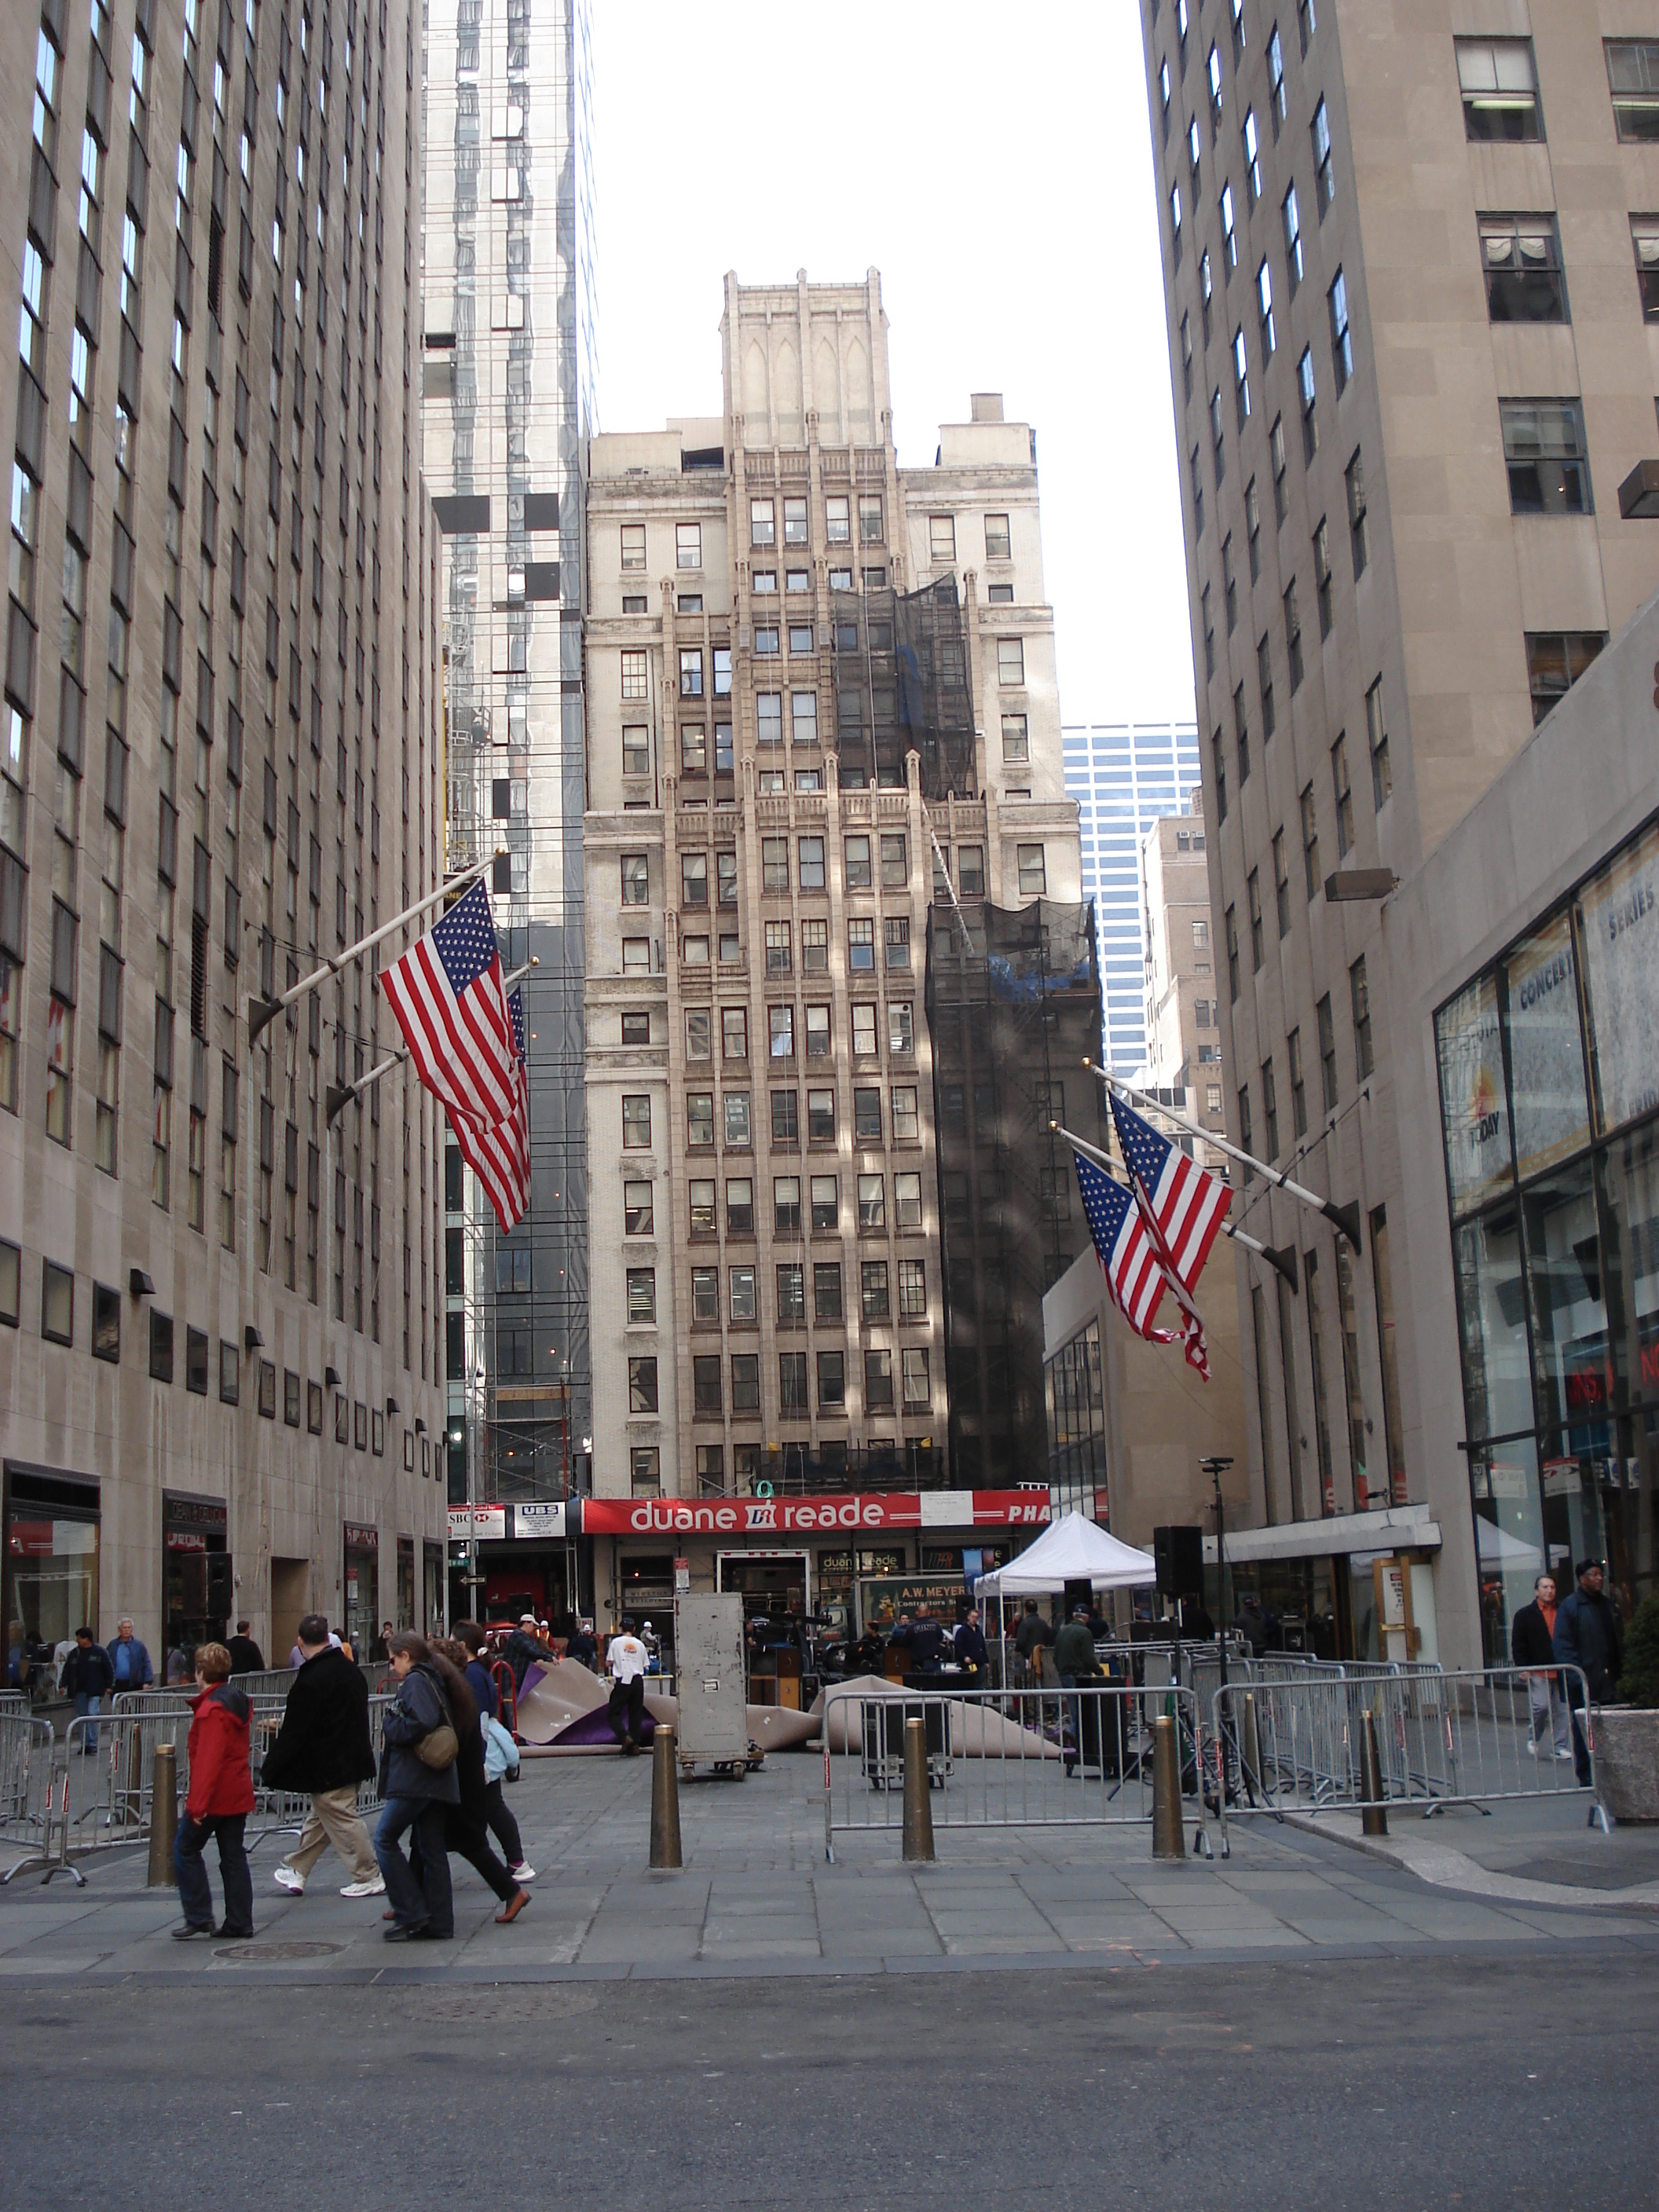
(1343, 790)
(1298, 1085)
(826, 1290)
(1358, 534)
(802, 713)
(1327, 1054)
(1292, 634)
(817, 1033)
(636, 880)
(873, 527)
(785, 1205)
(942, 529)
(1252, 158)
(693, 950)
(1033, 875)
(636, 1119)
(642, 1386)
(1377, 735)
(794, 521)
(821, 1116)
(824, 1192)
(195, 1361)
(777, 948)
(997, 546)
(1548, 463)
(1245, 1138)
(633, 676)
(691, 672)
(1555, 661)
(1341, 335)
(864, 1030)
(694, 880)
(1276, 94)
(811, 857)
(1213, 71)
(1218, 446)
(699, 1023)
(792, 1297)
(1209, 626)
(1242, 728)
(907, 1200)
(1230, 923)
(1197, 481)
(1309, 842)
(894, 864)
(877, 1381)
(1241, 378)
(1252, 885)
(1282, 884)
(1308, 397)
(857, 852)
(838, 521)
(1229, 235)
(699, 1195)
(106, 1336)
(1269, 1110)
(706, 1397)
(1276, 455)
(1304, 24)
(700, 1117)
(1321, 561)
(1292, 217)
(786, 1118)
(872, 1299)
(1522, 257)
(896, 930)
(873, 1204)
(1253, 529)
(774, 864)
(636, 751)
(780, 1032)
(633, 547)
(918, 1390)
(1362, 1017)
(792, 1385)
(1633, 80)
(763, 522)
(1499, 84)
(1010, 661)
(740, 1206)
(641, 1294)
(1264, 302)
(1324, 167)
(637, 1209)
(912, 1290)
(645, 1470)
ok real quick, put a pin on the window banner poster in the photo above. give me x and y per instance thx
(1546, 1057)
(1620, 913)
(1472, 1104)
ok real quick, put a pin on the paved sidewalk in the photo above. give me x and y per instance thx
(756, 1897)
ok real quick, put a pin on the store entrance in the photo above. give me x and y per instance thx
(774, 1583)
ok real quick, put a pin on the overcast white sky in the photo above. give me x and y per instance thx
(994, 163)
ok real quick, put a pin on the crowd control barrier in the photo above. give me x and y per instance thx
(1443, 1739)
(1054, 1757)
(26, 1759)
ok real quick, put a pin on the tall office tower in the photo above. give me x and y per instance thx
(1409, 296)
(1124, 777)
(220, 1374)
(1183, 1020)
(823, 700)
(509, 386)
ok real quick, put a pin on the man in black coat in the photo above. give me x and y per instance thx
(1532, 1643)
(246, 1656)
(324, 1749)
(88, 1678)
(1588, 1635)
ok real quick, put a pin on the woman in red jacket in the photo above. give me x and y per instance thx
(217, 1803)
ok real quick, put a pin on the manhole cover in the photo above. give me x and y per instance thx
(259, 1954)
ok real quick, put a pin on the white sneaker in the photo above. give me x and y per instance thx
(1531, 1746)
(375, 1888)
(285, 1878)
(522, 1873)
(1564, 1754)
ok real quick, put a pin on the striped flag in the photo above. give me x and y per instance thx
(1187, 1205)
(1134, 1279)
(1193, 1338)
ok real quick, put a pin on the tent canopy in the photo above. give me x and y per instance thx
(1070, 1550)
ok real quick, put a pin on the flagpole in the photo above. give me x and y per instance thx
(261, 1012)
(1344, 1217)
(1282, 1259)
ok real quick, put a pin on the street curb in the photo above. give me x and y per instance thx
(1441, 1867)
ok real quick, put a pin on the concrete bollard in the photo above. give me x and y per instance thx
(1252, 1749)
(1373, 1816)
(163, 1818)
(1167, 1842)
(664, 1799)
(918, 1811)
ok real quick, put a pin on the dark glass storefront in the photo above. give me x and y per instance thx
(1076, 1390)
(52, 1523)
(1549, 1091)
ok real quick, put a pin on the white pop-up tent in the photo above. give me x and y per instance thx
(1070, 1550)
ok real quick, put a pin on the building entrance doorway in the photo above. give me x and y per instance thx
(774, 1582)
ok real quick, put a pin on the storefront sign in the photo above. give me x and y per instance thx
(539, 1520)
(479, 1523)
(1561, 1478)
(1620, 910)
(359, 1538)
(882, 1602)
(676, 1516)
(1472, 1106)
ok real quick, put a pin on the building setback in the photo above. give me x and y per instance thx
(222, 1352)
(1409, 375)
(1184, 1016)
(775, 610)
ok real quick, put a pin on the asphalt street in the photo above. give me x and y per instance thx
(1375, 2083)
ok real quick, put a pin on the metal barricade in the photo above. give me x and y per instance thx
(26, 1767)
(14, 1701)
(1443, 1739)
(1015, 1759)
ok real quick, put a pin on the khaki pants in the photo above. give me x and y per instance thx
(333, 1820)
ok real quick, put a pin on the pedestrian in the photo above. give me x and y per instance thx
(1033, 1632)
(417, 1781)
(465, 1824)
(217, 1803)
(1252, 1624)
(88, 1679)
(1590, 1638)
(1193, 1619)
(583, 1646)
(479, 1680)
(381, 1647)
(969, 1642)
(626, 1708)
(522, 1651)
(129, 1660)
(1074, 1662)
(1532, 1640)
(178, 1667)
(501, 1752)
(927, 1641)
(246, 1656)
(323, 1750)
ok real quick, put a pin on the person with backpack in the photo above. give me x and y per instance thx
(418, 1780)
(464, 1823)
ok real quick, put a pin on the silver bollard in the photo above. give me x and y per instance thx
(163, 1818)
(664, 1799)
(918, 1812)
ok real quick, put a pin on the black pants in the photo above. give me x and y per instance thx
(188, 1846)
(502, 1825)
(629, 1697)
(468, 1840)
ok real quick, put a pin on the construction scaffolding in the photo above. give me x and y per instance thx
(1014, 1008)
(902, 686)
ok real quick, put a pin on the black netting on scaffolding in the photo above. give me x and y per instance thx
(902, 686)
(1014, 1008)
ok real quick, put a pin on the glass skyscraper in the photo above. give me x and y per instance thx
(1124, 777)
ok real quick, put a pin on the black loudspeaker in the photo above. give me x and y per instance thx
(1179, 1553)
(220, 1590)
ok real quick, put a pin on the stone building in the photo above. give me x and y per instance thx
(221, 1355)
(1183, 1013)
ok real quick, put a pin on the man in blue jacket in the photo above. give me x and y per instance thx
(1589, 1636)
(129, 1660)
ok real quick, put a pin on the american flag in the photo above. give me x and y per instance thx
(1188, 1206)
(451, 1006)
(1134, 1279)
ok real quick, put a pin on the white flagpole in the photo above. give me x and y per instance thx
(339, 1096)
(261, 1012)
(1283, 1260)
(1344, 1217)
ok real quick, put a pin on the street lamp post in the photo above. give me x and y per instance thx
(1215, 1468)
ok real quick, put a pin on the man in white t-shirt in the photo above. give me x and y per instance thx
(627, 1658)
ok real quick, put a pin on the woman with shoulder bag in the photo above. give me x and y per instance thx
(418, 1781)
(465, 1824)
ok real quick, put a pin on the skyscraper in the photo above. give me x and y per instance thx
(509, 400)
(1124, 777)
(220, 1352)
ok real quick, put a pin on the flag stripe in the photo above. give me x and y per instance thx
(460, 1059)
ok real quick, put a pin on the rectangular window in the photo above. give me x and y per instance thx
(872, 1203)
(861, 945)
(1276, 455)
(641, 1294)
(636, 880)
(912, 1290)
(941, 540)
(774, 864)
(1327, 1054)
(1010, 661)
(636, 1119)
(740, 1206)
(1555, 661)
(826, 1290)
(820, 1116)
(694, 749)
(700, 1194)
(1246, 1139)
(1230, 925)
(792, 1385)
(691, 672)
(1252, 885)
(699, 1033)
(837, 520)
(1522, 257)
(195, 1361)
(1308, 398)
(1292, 634)
(1298, 1085)
(777, 948)
(1633, 80)
(1281, 884)
(700, 1117)
(1377, 734)
(1269, 1110)
(1290, 212)
(763, 522)
(1309, 842)
(794, 522)
(873, 1299)
(1358, 534)
(633, 547)
(896, 934)
(1016, 741)
(1304, 24)
(877, 1381)
(1219, 773)
(694, 880)
(1644, 239)
(766, 649)
(818, 1035)
(857, 852)
(634, 680)
(785, 1117)
(809, 855)
(1241, 380)
(637, 1209)
(1361, 999)
(872, 528)
(1548, 460)
(705, 1297)
(918, 1388)
(636, 751)
(1341, 334)
(824, 1194)
(1344, 792)
(1241, 720)
(792, 1298)
(907, 1200)
(734, 1032)
(645, 1470)
(1498, 80)
(1321, 561)
(802, 714)
(863, 1031)
(642, 1386)
(705, 1395)
(1033, 871)
(785, 1205)
(1324, 167)
(832, 1381)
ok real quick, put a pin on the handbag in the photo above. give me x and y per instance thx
(439, 1746)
